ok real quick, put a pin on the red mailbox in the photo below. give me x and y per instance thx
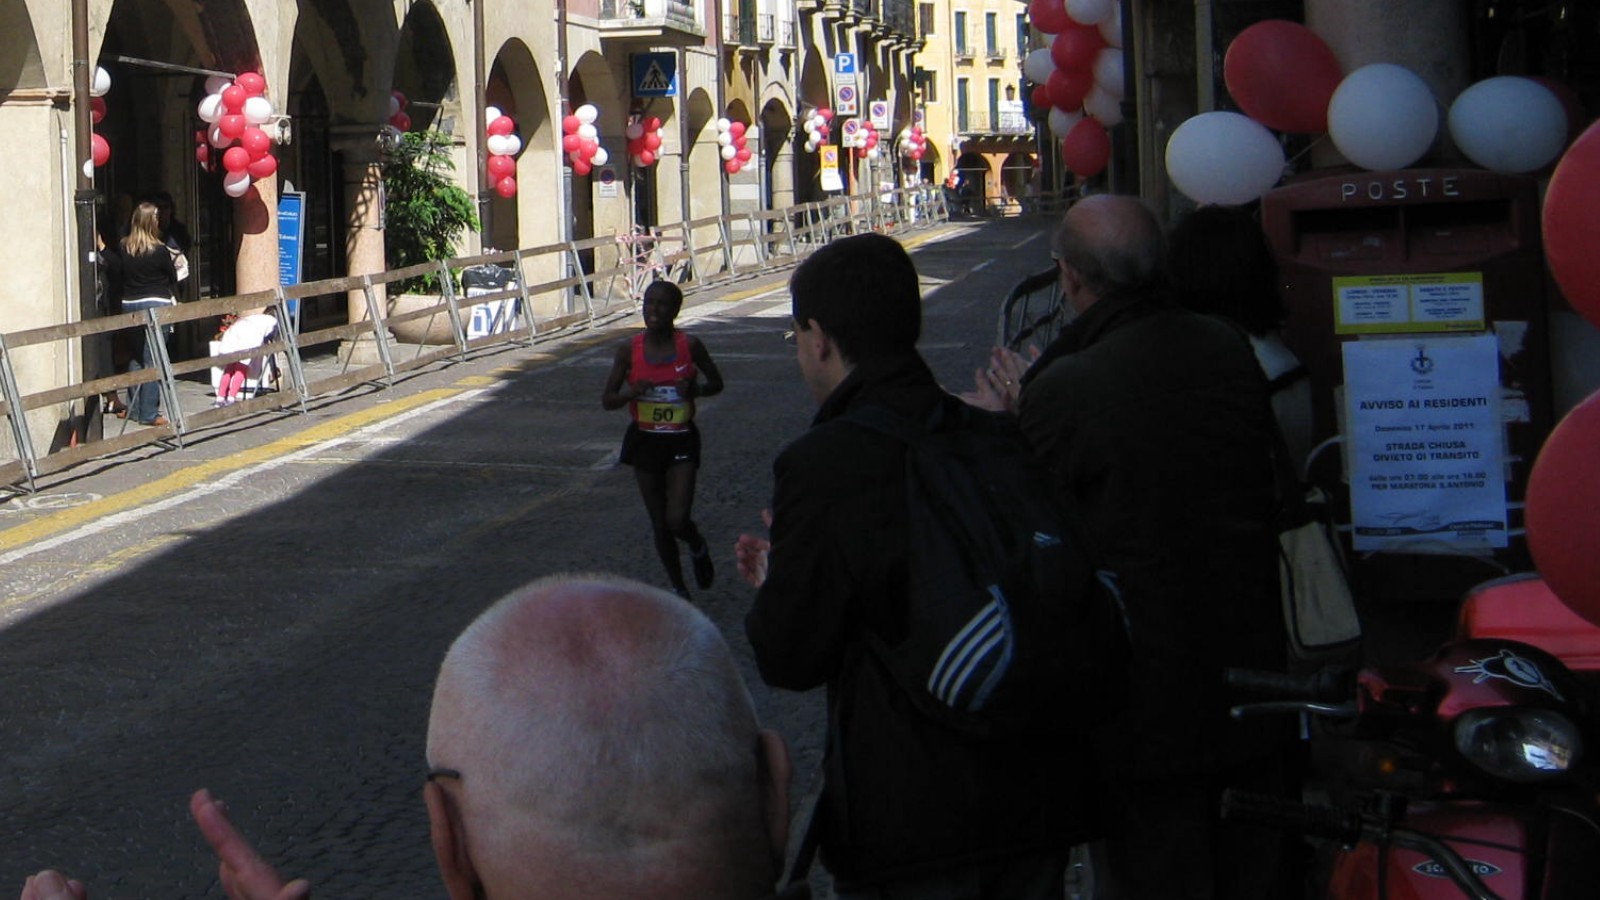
(1429, 284)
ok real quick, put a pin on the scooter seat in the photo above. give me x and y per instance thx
(1523, 608)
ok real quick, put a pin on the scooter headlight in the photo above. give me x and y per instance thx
(1520, 744)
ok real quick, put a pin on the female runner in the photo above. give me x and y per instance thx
(657, 374)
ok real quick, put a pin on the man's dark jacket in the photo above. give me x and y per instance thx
(903, 797)
(1156, 427)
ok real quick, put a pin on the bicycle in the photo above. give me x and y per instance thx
(1034, 312)
(643, 256)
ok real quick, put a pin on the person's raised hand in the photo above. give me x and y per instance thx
(242, 871)
(750, 554)
(52, 885)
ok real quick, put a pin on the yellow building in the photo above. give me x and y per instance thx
(969, 73)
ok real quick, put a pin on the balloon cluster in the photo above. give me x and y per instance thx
(503, 146)
(236, 110)
(99, 147)
(816, 127)
(1079, 78)
(644, 140)
(913, 142)
(398, 117)
(580, 140)
(731, 140)
(869, 139)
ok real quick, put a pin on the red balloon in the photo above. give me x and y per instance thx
(1086, 149)
(232, 126)
(252, 82)
(1049, 16)
(1076, 47)
(400, 97)
(1563, 509)
(506, 187)
(1571, 219)
(233, 98)
(99, 150)
(743, 154)
(652, 123)
(236, 159)
(581, 167)
(1041, 97)
(652, 141)
(501, 166)
(587, 146)
(825, 113)
(401, 121)
(256, 141)
(502, 125)
(263, 167)
(736, 129)
(646, 157)
(1068, 88)
(731, 166)
(570, 143)
(570, 124)
(1282, 75)
(202, 155)
(97, 109)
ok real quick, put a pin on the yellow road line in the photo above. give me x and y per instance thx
(56, 523)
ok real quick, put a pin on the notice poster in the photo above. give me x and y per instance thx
(1424, 443)
(1398, 304)
(829, 160)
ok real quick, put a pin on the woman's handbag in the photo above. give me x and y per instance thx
(180, 262)
(1319, 609)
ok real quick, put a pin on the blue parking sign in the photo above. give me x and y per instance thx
(844, 64)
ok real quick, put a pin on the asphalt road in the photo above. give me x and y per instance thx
(263, 612)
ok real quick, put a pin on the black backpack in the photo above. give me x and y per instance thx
(1011, 630)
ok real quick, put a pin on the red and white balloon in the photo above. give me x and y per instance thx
(235, 111)
(580, 140)
(99, 147)
(644, 140)
(503, 145)
(817, 128)
(1079, 77)
(913, 143)
(731, 139)
(398, 117)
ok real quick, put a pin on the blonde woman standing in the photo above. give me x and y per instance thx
(143, 277)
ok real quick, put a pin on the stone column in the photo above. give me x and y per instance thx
(358, 146)
(255, 218)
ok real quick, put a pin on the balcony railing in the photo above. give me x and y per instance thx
(643, 15)
(786, 33)
(765, 27)
(1008, 123)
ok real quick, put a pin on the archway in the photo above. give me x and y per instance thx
(424, 66)
(705, 165)
(516, 88)
(972, 192)
(594, 82)
(814, 94)
(777, 150)
(1018, 177)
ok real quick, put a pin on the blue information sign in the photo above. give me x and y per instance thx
(291, 242)
(655, 75)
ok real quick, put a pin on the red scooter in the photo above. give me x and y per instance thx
(1467, 771)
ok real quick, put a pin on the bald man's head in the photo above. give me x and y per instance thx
(604, 738)
(1114, 246)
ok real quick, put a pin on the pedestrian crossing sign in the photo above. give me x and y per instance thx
(655, 75)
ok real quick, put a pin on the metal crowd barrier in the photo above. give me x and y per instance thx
(557, 288)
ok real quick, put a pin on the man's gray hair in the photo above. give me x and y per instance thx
(1115, 244)
(597, 714)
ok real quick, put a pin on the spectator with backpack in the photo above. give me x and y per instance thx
(1154, 423)
(913, 805)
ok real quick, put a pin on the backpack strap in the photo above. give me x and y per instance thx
(1287, 379)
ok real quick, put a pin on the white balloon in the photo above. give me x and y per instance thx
(236, 184)
(873, 153)
(724, 124)
(638, 160)
(210, 109)
(585, 113)
(728, 152)
(634, 131)
(1037, 66)
(1111, 30)
(100, 83)
(215, 83)
(217, 138)
(496, 144)
(1104, 107)
(1090, 12)
(810, 126)
(490, 113)
(1508, 124)
(1108, 71)
(1062, 121)
(1224, 157)
(812, 145)
(88, 168)
(257, 110)
(587, 130)
(1383, 116)
(512, 143)
(600, 157)
(724, 138)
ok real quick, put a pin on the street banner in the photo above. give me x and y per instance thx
(1427, 468)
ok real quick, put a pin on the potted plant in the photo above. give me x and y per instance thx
(425, 213)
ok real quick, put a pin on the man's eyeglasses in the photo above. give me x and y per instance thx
(436, 774)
